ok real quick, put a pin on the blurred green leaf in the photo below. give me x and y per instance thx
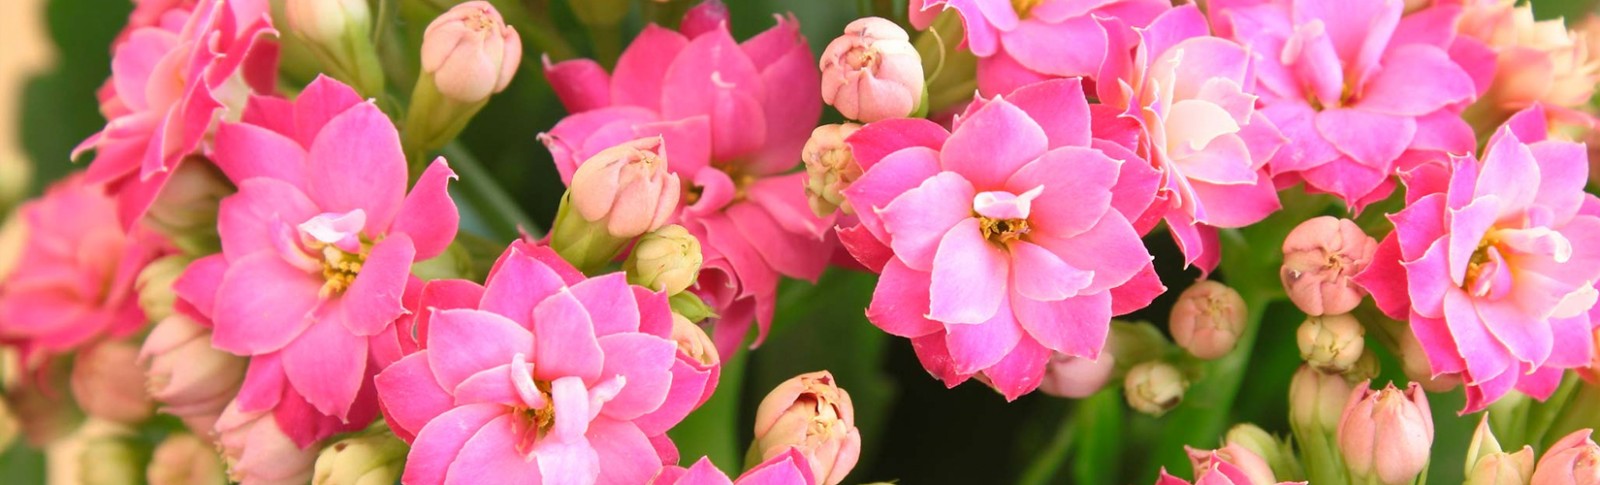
(59, 108)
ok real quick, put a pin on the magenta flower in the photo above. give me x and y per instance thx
(1003, 240)
(784, 469)
(71, 279)
(170, 81)
(1189, 94)
(734, 127)
(1491, 264)
(317, 245)
(1341, 80)
(1022, 42)
(549, 377)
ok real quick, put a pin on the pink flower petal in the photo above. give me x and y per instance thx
(899, 172)
(1073, 47)
(496, 385)
(439, 443)
(580, 84)
(1528, 339)
(790, 468)
(975, 347)
(992, 144)
(645, 361)
(428, 214)
(1020, 371)
(356, 163)
(1076, 183)
(900, 302)
(326, 365)
(566, 344)
(875, 141)
(263, 303)
(490, 457)
(1074, 326)
(626, 453)
(1373, 139)
(610, 302)
(517, 284)
(372, 302)
(642, 68)
(464, 342)
(918, 219)
(969, 277)
(1038, 274)
(711, 76)
(411, 397)
(1394, 88)
(1483, 354)
(245, 151)
(246, 219)
(1111, 249)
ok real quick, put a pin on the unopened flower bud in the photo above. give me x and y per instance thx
(1076, 377)
(371, 458)
(154, 285)
(1280, 457)
(1488, 464)
(813, 415)
(1316, 400)
(257, 450)
(1366, 367)
(693, 341)
(339, 34)
(185, 459)
(108, 383)
(616, 195)
(1154, 387)
(191, 379)
(1247, 462)
(667, 259)
(1320, 258)
(470, 52)
(111, 460)
(186, 210)
(830, 168)
(1386, 435)
(872, 72)
(1331, 343)
(1207, 319)
(1573, 460)
(1414, 362)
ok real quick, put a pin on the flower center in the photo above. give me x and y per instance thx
(1001, 231)
(535, 421)
(339, 268)
(1003, 216)
(1024, 6)
(1488, 275)
(862, 58)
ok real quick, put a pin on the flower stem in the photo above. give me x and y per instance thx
(1049, 460)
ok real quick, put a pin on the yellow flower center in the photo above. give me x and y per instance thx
(1001, 231)
(339, 268)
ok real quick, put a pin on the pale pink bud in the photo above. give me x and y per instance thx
(325, 21)
(667, 259)
(191, 379)
(1320, 257)
(1331, 343)
(1076, 377)
(694, 342)
(1573, 460)
(108, 384)
(186, 210)
(1278, 455)
(872, 72)
(813, 415)
(1207, 319)
(1386, 435)
(1489, 464)
(471, 52)
(1316, 400)
(258, 452)
(830, 168)
(185, 459)
(1154, 387)
(627, 187)
(1248, 462)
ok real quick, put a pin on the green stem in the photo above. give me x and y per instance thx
(1543, 415)
(1049, 460)
(502, 213)
(713, 430)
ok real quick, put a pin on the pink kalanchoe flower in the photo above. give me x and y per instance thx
(549, 376)
(73, 280)
(733, 127)
(170, 82)
(1493, 264)
(1341, 81)
(1189, 95)
(1022, 42)
(1003, 240)
(1321, 257)
(784, 469)
(317, 247)
(1215, 471)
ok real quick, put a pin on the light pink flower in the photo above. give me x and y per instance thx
(1076, 377)
(1321, 257)
(317, 248)
(784, 469)
(470, 52)
(108, 383)
(1341, 81)
(1573, 460)
(259, 452)
(1491, 263)
(1004, 240)
(1190, 96)
(1018, 43)
(191, 379)
(734, 127)
(809, 413)
(547, 376)
(170, 82)
(872, 72)
(73, 281)
(1535, 60)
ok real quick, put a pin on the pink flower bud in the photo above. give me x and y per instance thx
(470, 52)
(1573, 460)
(813, 415)
(1207, 319)
(830, 168)
(325, 21)
(1278, 455)
(872, 72)
(108, 384)
(185, 459)
(1154, 387)
(1332, 343)
(258, 452)
(667, 259)
(694, 342)
(1248, 463)
(1320, 257)
(627, 187)
(1076, 377)
(1386, 435)
(1316, 400)
(191, 379)
(709, 15)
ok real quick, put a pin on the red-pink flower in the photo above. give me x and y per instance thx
(170, 82)
(1003, 240)
(73, 279)
(784, 469)
(1493, 263)
(1021, 42)
(1359, 90)
(734, 117)
(546, 376)
(317, 248)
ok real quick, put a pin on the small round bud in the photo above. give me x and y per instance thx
(470, 52)
(627, 188)
(1207, 319)
(186, 209)
(111, 460)
(813, 415)
(154, 285)
(257, 450)
(1316, 400)
(1320, 257)
(830, 168)
(667, 260)
(1386, 435)
(1154, 387)
(693, 341)
(108, 383)
(368, 458)
(185, 459)
(1076, 377)
(191, 379)
(1331, 343)
(326, 21)
(872, 72)
(1280, 457)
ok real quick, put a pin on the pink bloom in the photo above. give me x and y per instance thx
(872, 72)
(548, 376)
(317, 248)
(1340, 80)
(258, 451)
(734, 118)
(1213, 471)
(1003, 240)
(1018, 43)
(1491, 264)
(1321, 257)
(170, 82)
(1189, 94)
(784, 469)
(73, 281)
(1252, 465)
